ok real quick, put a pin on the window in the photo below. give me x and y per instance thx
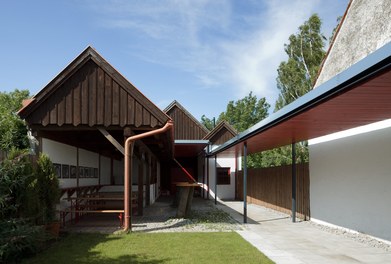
(223, 176)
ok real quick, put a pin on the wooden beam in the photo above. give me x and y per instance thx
(112, 140)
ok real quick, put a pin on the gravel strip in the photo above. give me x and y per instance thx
(204, 217)
(359, 237)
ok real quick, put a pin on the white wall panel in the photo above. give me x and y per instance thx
(350, 180)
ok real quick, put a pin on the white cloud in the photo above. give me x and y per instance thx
(219, 43)
(255, 57)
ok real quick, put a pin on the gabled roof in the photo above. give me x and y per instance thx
(89, 91)
(186, 125)
(364, 28)
(221, 133)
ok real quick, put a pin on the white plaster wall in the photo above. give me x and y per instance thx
(105, 170)
(88, 159)
(366, 29)
(223, 191)
(350, 180)
(118, 171)
(62, 154)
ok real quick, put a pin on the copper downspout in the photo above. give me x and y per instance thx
(127, 174)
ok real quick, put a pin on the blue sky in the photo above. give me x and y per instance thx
(202, 53)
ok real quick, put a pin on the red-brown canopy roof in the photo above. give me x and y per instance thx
(358, 96)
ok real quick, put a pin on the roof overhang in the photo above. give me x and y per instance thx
(189, 148)
(357, 96)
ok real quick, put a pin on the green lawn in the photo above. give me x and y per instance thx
(152, 248)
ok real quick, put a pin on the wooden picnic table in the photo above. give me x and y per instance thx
(77, 208)
(184, 196)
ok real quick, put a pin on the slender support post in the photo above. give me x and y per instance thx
(293, 182)
(245, 182)
(203, 180)
(128, 186)
(78, 169)
(215, 179)
(207, 175)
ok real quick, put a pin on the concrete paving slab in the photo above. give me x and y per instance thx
(302, 242)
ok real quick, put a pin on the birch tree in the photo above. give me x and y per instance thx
(305, 51)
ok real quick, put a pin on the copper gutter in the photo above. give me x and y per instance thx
(127, 175)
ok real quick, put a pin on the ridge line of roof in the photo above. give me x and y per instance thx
(218, 127)
(90, 53)
(176, 103)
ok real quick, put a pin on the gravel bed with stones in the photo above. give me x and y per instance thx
(359, 237)
(204, 217)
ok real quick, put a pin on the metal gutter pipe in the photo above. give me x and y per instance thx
(127, 179)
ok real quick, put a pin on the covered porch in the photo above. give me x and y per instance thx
(82, 120)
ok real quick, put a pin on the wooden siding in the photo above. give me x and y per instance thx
(221, 136)
(92, 97)
(185, 127)
(272, 188)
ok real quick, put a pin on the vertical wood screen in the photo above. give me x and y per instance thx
(272, 188)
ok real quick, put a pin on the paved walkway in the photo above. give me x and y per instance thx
(276, 236)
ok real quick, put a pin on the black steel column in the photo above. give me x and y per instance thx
(245, 182)
(293, 182)
(207, 175)
(215, 179)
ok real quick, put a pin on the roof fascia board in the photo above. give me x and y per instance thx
(60, 78)
(77, 63)
(219, 127)
(185, 141)
(363, 69)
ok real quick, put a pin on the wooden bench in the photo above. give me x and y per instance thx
(63, 213)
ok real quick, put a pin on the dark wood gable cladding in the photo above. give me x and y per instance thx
(221, 133)
(92, 93)
(186, 126)
(89, 93)
(92, 97)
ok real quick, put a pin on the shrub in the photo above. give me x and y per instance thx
(29, 192)
(19, 239)
(16, 174)
(47, 187)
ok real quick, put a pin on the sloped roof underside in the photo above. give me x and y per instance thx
(358, 96)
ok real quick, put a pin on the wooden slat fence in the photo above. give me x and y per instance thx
(272, 188)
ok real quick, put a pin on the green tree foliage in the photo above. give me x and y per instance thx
(208, 123)
(13, 131)
(47, 188)
(20, 239)
(331, 39)
(16, 175)
(305, 52)
(245, 112)
(29, 191)
(296, 77)
(242, 114)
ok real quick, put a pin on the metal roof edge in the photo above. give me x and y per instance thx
(366, 66)
(191, 141)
